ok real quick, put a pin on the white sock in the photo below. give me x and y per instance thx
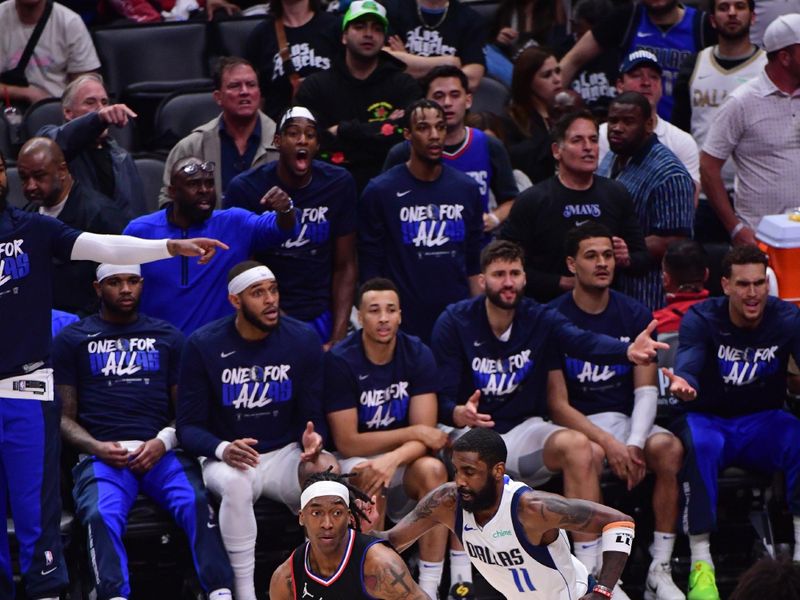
(796, 522)
(460, 567)
(700, 548)
(430, 576)
(661, 548)
(220, 594)
(587, 552)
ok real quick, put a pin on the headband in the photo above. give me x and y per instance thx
(324, 488)
(247, 278)
(107, 270)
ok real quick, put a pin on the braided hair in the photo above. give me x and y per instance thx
(355, 493)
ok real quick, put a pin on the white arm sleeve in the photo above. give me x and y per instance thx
(118, 249)
(645, 403)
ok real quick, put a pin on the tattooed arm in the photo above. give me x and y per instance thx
(543, 514)
(280, 586)
(386, 576)
(438, 507)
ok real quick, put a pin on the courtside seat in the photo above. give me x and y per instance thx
(229, 36)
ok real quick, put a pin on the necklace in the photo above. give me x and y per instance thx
(438, 23)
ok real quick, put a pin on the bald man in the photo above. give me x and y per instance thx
(190, 297)
(51, 190)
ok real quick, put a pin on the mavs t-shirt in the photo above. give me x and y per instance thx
(380, 393)
(597, 388)
(326, 210)
(28, 244)
(123, 374)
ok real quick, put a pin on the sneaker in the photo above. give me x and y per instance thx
(702, 584)
(618, 593)
(660, 585)
(462, 591)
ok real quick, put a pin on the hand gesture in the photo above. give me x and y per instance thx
(112, 453)
(116, 114)
(370, 510)
(621, 254)
(205, 248)
(240, 454)
(276, 199)
(312, 444)
(435, 439)
(644, 348)
(637, 468)
(506, 36)
(395, 43)
(617, 458)
(376, 474)
(145, 456)
(467, 415)
(214, 5)
(678, 386)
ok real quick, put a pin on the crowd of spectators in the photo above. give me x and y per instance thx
(401, 264)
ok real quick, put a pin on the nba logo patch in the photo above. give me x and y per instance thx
(48, 558)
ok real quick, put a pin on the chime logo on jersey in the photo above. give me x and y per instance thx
(433, 225)
(380, 408)
(302, 55)
(14, 262)
(742, 366)
(499, 377)
(427, 42)
(255, 387)
(123, 356)
(315, 228)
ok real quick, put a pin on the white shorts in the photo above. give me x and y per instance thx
(525, 444)
(619, 425)
(275, 476)
(398, 504)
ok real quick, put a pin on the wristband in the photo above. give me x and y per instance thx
(618, 537)
(739, 226)
(168, 438)
(602, 590)
(288, 210)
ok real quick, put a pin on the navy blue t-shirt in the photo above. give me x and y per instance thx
(737, 371)
(28, 244)
(326, 210)
(423, 235)
(381, 393)
(511, 375)
(123, 374)
(597, 388)
(231, 388)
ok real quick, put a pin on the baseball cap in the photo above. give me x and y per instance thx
(107, 270)
(296, 112)
(782, 32)
(359, 8)
(638, 58)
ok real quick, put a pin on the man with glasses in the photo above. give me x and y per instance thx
(175, 287)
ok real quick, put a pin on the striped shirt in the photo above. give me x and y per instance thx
(663, 198)
(759, 125)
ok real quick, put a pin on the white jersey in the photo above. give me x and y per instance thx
(709, 85)
(511, 564)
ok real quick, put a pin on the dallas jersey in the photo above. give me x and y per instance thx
(513, 565)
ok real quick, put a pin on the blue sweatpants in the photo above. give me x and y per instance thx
(104, 496)
(765, 441)
(30, 444)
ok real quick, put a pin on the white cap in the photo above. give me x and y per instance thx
(296, 112)
(106, 270)
(782, 32)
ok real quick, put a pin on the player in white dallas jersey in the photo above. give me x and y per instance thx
(514, 535)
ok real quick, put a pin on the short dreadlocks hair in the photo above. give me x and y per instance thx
(355, 493)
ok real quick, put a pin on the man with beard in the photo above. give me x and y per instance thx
(175, 286)
(29, 243)
(420, 225)
(730, 370)
(666, 28)
(337, 562)
(51, 190)
(316, 267)
(515, 536)
(116, 373)
(250, 401)
(615, 405)
(94, 158)
(662, 189)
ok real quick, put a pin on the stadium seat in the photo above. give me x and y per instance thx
(15, 195)
(151, 170)
(44, 112)
(5, 141)
(229, 36)
(179, 113)
(486, 10)
(491, 96)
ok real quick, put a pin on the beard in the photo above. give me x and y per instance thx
(735, 35)
(253, 318)
(495, 298)
(481, 499)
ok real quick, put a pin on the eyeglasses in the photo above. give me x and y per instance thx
(192, 168)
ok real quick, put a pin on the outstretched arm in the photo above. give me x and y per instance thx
(386, 576)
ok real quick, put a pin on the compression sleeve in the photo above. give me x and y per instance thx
(645, 403)
(118, 249)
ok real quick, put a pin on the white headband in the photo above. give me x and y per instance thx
(324, 488)
(244, 280)
(106, 270)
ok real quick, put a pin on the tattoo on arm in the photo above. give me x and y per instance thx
(575, 515)
(71, 430)
(289, 587)
(388, 578)
(441, 496)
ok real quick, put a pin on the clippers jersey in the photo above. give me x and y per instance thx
(513, 565)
